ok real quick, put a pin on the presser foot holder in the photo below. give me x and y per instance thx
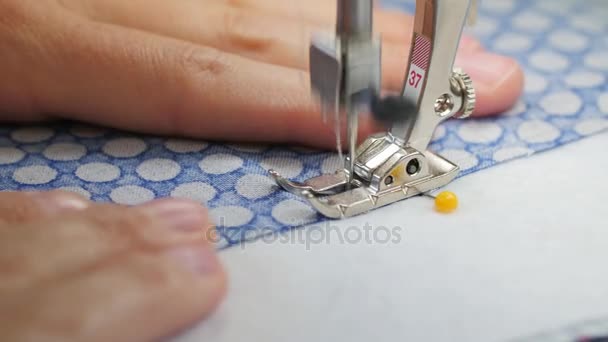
(385, 172)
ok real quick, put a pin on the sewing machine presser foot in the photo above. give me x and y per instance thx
(385, 172)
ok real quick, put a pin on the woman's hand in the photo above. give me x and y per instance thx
(215, 69)
(72, 270)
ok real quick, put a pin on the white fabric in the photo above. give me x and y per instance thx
(525, 253)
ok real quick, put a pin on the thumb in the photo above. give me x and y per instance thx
(110, 273)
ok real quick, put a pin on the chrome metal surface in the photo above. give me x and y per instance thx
(461, 82)
(321, 185)
(362, 198)
(440, 22)
(354, 19)
(345, 69)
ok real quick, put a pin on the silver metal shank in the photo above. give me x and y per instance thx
(354, 19)
(395, 165)
(440, 23)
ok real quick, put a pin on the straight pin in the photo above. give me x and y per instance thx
(445, 202)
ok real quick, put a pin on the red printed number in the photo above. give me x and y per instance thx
(415, 79)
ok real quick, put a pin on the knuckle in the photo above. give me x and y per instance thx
(118, 223)
(16, 207)
(196, 60)
(153, 271)
(139, 228)
(196, 69)
(239, 34)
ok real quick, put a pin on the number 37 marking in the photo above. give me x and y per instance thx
(415, 79)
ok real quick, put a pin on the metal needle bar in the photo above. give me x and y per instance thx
(354, 25)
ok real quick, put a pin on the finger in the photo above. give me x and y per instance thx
(282, 41)
(498, 86)
(138, 296)
(321, 14)
(18, 207)
(498, 80)
(48, 249)
(133, 80)
(394, 26)
(237, 29)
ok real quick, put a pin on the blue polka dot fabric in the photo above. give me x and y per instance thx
(563, 46)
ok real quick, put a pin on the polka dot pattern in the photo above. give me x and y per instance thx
(220, 163)
(535, 83)
(549, 61)
(34, 175)
(231, 216)
(531, 22)
(518, 109)
(480, 131)
(131, 195)
(466, 160)
(196, 191)
(32, 135)
(561, 103)
(294, 213)
(535, 132)
(331, 164)
(288, 167)
(584, 24)
(591, 126)
(124, 147)
(10, 155)
(440, 132)
(568, 41)
(585, 79)
(185, 146)
(513, 43)
(157, 169)
(98, 172)
(597, 60)
(255, 186)
(64, 151)
(563, 52)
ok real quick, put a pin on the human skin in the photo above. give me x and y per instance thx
(229, 70)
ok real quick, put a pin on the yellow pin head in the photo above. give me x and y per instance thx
(446, 202)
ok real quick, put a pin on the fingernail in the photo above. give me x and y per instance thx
(198, 259)
(468, 44)
(178, 214)
(488, 68)
(56, 201)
